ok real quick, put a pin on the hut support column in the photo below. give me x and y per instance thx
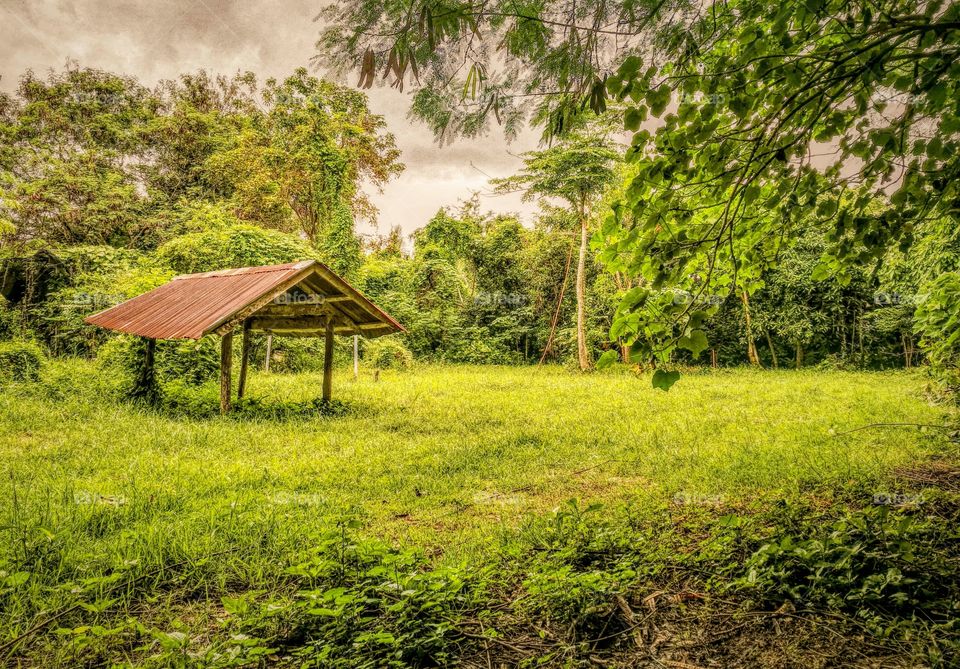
(226, 362)
(328, 361)
(356, 359)
(145, 388)
(244, 358)
(266, 362)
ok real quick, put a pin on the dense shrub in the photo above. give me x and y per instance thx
(890, 570)
(99, 277)
(232, 246)
(938, 323)
(292, 354)
(388, 353)
(190, 362)
(475, 348)
(20, 360)
(10, 321)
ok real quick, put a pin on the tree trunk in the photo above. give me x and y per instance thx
(145, 388)
(773, 351)
(859, 322)
(752, 355)
(226, 362)
(799, 355)
(556, 313)
(713, 358)
(582, 354)
(907, 351)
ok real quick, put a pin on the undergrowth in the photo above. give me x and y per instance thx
(571, 587)
(424, 520)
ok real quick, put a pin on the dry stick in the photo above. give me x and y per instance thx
(496, 640)
(556, 313)
(10, 645)
(866, 427)
(486, 646)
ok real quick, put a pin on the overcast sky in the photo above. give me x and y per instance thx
(160, 39)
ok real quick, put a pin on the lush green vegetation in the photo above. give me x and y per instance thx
(754, 124)
(780, 225)
(159, 538)
(204, 170)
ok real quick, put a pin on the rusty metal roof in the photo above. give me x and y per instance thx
(193, 305)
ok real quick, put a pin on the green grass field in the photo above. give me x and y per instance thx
(445, 460)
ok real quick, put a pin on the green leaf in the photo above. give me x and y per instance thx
(664, 379)
(639, 351)
(607, 359)
(696, 342)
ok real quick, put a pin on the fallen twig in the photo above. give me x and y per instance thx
(872, 425)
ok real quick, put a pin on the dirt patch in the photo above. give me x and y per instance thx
(942, 473)
(688, 630)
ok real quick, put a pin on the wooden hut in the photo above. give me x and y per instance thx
(301, 299)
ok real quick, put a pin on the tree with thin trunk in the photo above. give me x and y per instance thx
(752, 354)
(577, 171)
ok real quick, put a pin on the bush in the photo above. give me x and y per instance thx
(937, 321)
(358, 603)
(11, 321)
(232, 246)
(20, 360)
(291, 354)
(890, 570)
(192, 362)
(388, 353)
(99, 278)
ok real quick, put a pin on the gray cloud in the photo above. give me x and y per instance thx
(159, 40)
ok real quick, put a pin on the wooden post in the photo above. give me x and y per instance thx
(356, 360)
(266, 363)
(145, 388)
(328, 361)
(244, 357)
(150, 354)
(226, 362)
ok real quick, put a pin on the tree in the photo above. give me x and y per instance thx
(310, 151)
(389, 245)
(90, 157)
(576, 171)
(450, 234)
(70, 151)
(469, 62)
(197, 115)
(340, 247)
(744, 97)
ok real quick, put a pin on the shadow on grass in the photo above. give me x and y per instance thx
(201, 403)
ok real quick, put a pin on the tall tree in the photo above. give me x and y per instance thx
(87, 156)
(576, 171)
(312, 150)
(732, 106)
(70, 150)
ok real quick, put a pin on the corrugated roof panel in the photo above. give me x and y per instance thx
(192, 305)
